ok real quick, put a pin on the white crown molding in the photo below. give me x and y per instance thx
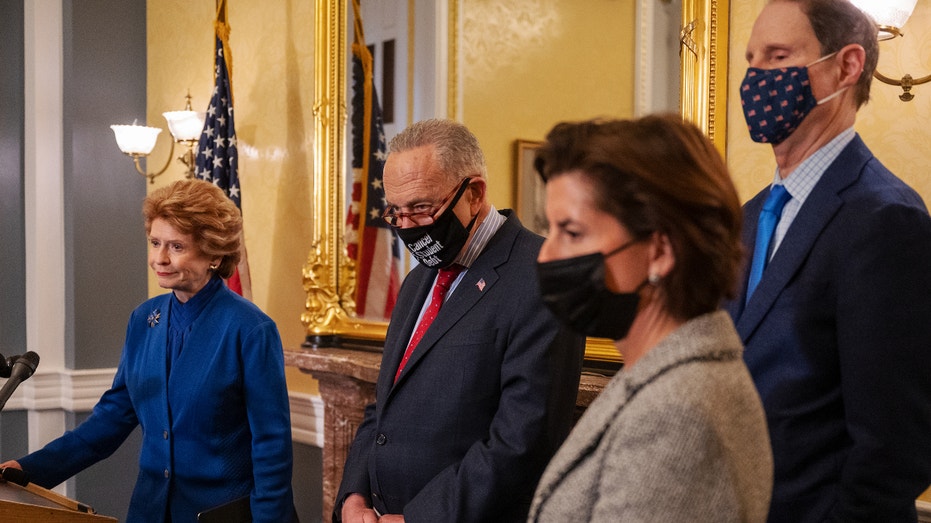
(79, 391)
(65, 389)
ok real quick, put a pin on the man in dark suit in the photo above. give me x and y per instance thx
(838, 327)
(468, 411)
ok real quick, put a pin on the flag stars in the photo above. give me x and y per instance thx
(216, 150)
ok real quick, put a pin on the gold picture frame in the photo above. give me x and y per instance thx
(529, 189)
(329, 274)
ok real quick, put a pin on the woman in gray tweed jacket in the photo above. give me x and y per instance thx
(643, 246)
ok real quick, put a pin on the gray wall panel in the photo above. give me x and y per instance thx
(12, 227)
(14, 435)
(104, 83)
(108, 485)
(307, 482)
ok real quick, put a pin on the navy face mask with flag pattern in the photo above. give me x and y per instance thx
(775, 101)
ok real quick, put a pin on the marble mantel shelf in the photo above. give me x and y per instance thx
(356, 364)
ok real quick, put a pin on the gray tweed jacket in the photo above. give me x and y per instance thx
(680, 436)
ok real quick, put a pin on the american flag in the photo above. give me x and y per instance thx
(217, 158)
(370, 240)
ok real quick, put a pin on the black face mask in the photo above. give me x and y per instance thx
(574, 290)
(437, 245)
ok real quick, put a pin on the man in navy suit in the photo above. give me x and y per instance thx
(468, 411)
(838, 327)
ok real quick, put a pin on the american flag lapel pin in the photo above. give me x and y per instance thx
(481, 285)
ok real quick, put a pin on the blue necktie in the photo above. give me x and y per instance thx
(769, 217)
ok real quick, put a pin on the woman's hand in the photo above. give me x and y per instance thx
(13, 464)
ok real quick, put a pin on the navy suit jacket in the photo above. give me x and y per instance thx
(838, 340)
(483, 403)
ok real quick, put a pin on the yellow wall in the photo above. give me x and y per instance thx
(528, 64)
(511, 51)
(896, 131)
(272, 49)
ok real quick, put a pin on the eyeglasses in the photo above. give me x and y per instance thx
(423, 213)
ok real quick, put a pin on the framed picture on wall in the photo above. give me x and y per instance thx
(530, 190)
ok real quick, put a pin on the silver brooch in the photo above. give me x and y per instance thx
(153, 318)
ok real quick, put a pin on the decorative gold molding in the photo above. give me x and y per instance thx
(452, 82)
(703, 60)
(328, 276)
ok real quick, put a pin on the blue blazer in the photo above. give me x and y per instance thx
(218, 429)
(483, 403)
(838, 341)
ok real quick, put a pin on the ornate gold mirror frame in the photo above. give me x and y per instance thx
(328, 277)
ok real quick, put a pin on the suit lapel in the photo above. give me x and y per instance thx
(406, 317)
(460, 302)
(818, 210)
(466, 295)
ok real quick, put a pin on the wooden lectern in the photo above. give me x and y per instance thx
(19, 505)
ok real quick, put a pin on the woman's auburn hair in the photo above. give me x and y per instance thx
(201, 209)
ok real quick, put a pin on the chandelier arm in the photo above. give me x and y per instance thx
(151, 176)
(892, 81)
(188, 158)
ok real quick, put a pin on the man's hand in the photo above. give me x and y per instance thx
(391, 518)
(356, 509)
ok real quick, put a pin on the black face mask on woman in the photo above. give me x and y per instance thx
(437, 245)
(574, 290)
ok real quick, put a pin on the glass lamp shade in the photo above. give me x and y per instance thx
(135, 139)
(185, 125)
(887, 13)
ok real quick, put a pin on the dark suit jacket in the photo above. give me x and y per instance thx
(838, 340)
(483, 403)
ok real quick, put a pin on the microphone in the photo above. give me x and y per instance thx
(14, 476)
(20, 371)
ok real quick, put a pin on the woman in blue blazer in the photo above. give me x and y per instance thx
(202, 372)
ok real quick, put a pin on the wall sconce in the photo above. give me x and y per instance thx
(890, 16)
(138, 141)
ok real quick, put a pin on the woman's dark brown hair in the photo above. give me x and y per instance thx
(202, 210)
(660, 174)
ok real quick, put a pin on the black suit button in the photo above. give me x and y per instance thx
(381, 439)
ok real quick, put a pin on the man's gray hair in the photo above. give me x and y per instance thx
(457, 150)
